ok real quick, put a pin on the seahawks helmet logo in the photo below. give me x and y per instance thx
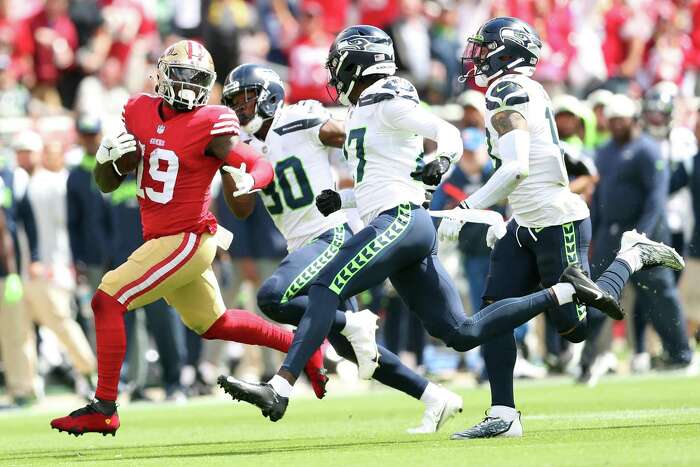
(522, 38)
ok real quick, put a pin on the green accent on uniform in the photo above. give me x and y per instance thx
(373, 248)
(88, 163)
(572, 258)
(661, 165)
(126, 191)
(312, 270)
(357, 135)
(6, 197)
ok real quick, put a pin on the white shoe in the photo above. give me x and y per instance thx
(438, 413)
(492, 427)
(640, 363)
(524, 369)
(651, 253)
(360, 329)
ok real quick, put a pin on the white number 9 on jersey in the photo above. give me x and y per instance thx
(167, 176)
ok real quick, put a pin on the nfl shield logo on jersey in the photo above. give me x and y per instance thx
(160, 129)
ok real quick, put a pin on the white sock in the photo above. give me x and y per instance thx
(564, 293)
(348, 323)
(281, 386)
(632, 258)
(432, 394)
(503, 411)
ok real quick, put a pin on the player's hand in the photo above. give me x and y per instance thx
(433, 172)
(494, 234)
(449, 229)
(243, 180)
(112, 148)
(328, 202)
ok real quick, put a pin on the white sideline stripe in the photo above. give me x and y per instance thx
(228, 129)
(617, 414)
(225, 123)
(160, 272)
(224, 116)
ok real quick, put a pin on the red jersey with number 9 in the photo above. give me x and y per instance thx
(174, 175)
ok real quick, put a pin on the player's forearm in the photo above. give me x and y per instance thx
(347, 198)
(256, 165)
(514, 148)
(106, 177)
(503, 182)
(240, 206)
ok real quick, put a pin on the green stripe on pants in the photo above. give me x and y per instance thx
(373, 248)
(571, 253)
(312, 270)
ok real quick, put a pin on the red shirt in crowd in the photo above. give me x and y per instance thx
(65, 35)
(307, 68)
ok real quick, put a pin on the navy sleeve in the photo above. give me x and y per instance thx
(679, 178)
(654, 178)
(25, 215)
(75, 216)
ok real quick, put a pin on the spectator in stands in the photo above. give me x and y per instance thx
(307, 58)
(17, 337)
(17, 42)
(107, 88)
(89, 223)
(56, 41)
(597, 101)
(445, 45)
(14, 98)
(49, 291)
(628, 27)
(412, 43)
(632, 194)
(379, 13)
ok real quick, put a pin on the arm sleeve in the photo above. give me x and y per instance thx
(347, 198)
(654, 179)
(514, 149)
(405, 114)
(256, 165)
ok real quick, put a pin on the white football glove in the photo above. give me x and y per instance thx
(494, 234)
(244, 181)
(449, 229)
(112, 148)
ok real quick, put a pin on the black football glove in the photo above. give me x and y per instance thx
(433, 172)
(328, 202)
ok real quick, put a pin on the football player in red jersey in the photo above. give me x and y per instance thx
(182, 142)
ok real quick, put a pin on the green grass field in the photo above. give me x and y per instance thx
(624, 421)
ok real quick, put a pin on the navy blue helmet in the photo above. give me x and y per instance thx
(356, 52)
(255, 83)
(501, 45)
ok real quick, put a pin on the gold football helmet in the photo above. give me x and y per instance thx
(185, 75)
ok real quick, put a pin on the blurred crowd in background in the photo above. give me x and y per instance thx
(68, 66)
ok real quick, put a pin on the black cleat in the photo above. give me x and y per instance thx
(261, 395)
(588, 293)
(492, 427)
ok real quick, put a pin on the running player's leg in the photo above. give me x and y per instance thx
(282, 297)
(156, 267)
(389, 243)
(556, 248)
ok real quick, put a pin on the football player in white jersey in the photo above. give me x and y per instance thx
(550, 232)
(296, 139)
(385, 128)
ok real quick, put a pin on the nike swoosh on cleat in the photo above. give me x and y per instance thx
(597, 294)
